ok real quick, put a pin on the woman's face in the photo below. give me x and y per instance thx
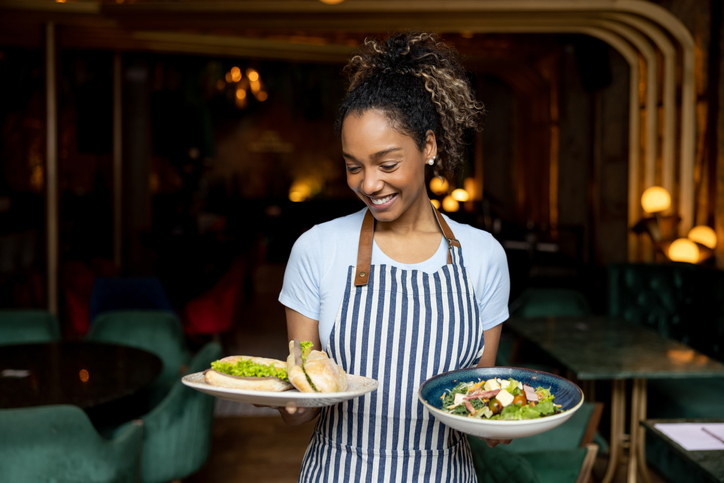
(385, 168)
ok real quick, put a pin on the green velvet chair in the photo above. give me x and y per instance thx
(28, 326)
(59, 444)
(501, 465)
(549, 302)
(177, 436)
(158, 332)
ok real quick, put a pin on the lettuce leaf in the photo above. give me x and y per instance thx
(247, 368)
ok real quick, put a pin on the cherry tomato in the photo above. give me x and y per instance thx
(520, 400)
(495, 406)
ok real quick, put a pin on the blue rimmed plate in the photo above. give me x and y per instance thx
(566, 393)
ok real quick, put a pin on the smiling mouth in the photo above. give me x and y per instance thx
(381, 201)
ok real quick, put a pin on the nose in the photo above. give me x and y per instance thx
(372, 182)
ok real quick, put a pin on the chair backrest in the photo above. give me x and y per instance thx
(679, 300)
(215, 311)
(59, 443)
(157, 332)
(549, 302)
(28, 326)
(127, 293)
(177, 436)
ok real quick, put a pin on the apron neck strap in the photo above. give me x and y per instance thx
(367, 235)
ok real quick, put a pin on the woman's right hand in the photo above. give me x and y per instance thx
(294, 416)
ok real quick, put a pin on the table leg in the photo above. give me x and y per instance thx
(618, 424)
(637, 451)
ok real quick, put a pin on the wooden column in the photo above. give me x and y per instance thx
(51, 167)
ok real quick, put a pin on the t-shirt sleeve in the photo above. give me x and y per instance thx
(494, 302)
(300, 290)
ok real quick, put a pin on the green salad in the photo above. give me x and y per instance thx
(499, 399)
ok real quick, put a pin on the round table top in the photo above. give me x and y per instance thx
(84, 374)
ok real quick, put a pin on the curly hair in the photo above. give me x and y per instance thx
(420, 85)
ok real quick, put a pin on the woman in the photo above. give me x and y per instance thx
(396, 292)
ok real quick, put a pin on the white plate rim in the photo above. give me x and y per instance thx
(366, 384)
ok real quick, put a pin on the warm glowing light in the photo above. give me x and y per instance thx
(241, 102)
(84, 376)
(220, 84)
(296, 196)
(655, 199)
(59, 1)
(436, 204)
(469, 185)
(299, 191)
(252, 74)
(703, 235)
(331, 2)
(460, 195)
(240, 94)
(228, 77)
(466, 34)
(450, 204)
(255, 86)
(262, 96)
(684, 250)
(235, 74)
(37, 177)
(439, 185)
(680, 356)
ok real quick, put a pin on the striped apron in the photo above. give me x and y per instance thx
(400, 327)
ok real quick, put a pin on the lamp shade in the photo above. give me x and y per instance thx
(460, 195)
(439, 185)
(704, 235)
(684, 250)
(655, 199)
(450, 204)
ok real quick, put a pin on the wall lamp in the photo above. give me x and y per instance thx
(698, 245)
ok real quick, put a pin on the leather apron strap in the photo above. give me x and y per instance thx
(367, 235)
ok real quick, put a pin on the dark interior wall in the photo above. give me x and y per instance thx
(575, 157)
(499, 147)
(136, 167)
(609, 187)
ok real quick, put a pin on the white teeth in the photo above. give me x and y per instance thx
(380, 201)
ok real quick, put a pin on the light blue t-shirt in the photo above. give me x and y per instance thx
(316, 274)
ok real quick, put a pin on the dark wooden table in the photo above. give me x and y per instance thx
(706, 465)
(103, 379)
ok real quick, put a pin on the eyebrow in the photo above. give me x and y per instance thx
(376, 155)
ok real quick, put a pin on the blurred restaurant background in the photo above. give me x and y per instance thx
(164, 155)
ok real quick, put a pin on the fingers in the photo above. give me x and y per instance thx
(492, 443)
(292, 408)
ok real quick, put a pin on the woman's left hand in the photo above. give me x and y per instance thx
(294, 416)
(492, 443)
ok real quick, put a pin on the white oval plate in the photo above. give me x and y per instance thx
(357, 386)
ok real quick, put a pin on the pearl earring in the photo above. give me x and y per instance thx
(431, 161)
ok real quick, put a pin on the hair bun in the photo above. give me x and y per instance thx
(420, 83)
(401, 53)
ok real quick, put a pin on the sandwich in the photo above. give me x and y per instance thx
(247, 372)
(312, 370)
